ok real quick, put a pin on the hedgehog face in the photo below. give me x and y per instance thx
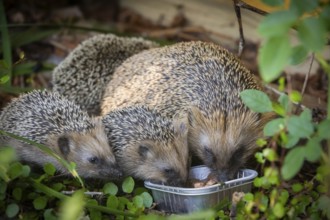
(161, 161)
(224, 142)
(91, 153)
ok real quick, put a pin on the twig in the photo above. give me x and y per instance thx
(307, 76)
(240, 27)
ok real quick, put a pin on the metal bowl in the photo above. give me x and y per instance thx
(185, 200)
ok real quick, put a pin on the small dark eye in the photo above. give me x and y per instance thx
(209, 156)
(168, 170)
(94, 160)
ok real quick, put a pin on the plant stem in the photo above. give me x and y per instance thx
(111, 211)
(50, 192)
(326, 68)
(6, 45)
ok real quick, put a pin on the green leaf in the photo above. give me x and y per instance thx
(313, 150)
(277, 24)
(110, 188)
(299, 127)
(293, 162)
(48, 215)
(295, 96)
(24, 68)
(128, 185)
(5, 41)
(301, 7)
(256, 100)
(324, 205)
(272, 175)
(58, 186)
(138, 201)
(17, 193)
(112, 202)
(273, 2)
(12, 210)
(31, 35)
(292, 141)
(284, 196)
(299, 54)
(257, 182)
(278, 109)
(7, 155)
(147, 199)
(271, 66)
(3, 187)
(76, 205)
(281, 85)
(49, 169)
(325, 15)
(323, 129)
(26, 171)
(260, 158)
(261, 142)
(274, 126)
(306, 115)
(270, 154)
(312, 33)
(15, 170)
(40, 202)
(248, 197)
(4, 79)
(279, 210)
(297, 187)
(284, 101)
(94, 215)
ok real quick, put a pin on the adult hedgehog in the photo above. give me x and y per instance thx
(83, 75)
(58, 123)
(203, 80)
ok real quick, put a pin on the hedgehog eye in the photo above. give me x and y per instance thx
(63, 143)
(168, 170)
(143, 150)
(209, 156)
(237, 155)
(94, 160)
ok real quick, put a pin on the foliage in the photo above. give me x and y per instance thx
(19, 188)
(294, 141)
(311, 20)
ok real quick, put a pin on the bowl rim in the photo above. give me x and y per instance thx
(203, 190)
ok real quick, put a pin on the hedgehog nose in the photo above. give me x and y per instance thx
(113, 173)
(222, 176)
(176, 182)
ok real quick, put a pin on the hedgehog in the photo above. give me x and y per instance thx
(149, 146)
(82, 76)
(50, 119)
(200, 79)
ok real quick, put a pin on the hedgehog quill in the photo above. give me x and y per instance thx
(52, 120)
(204, 81)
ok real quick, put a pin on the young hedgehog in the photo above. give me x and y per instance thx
(148, 146)
(203, 80)
(83, 75)
(58, 123)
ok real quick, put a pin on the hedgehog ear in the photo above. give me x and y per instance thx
(180, 123)
(194, 115)
(63, 143)
(144, 151)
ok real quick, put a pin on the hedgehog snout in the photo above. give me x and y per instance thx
(112, 172)
(224, 175)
